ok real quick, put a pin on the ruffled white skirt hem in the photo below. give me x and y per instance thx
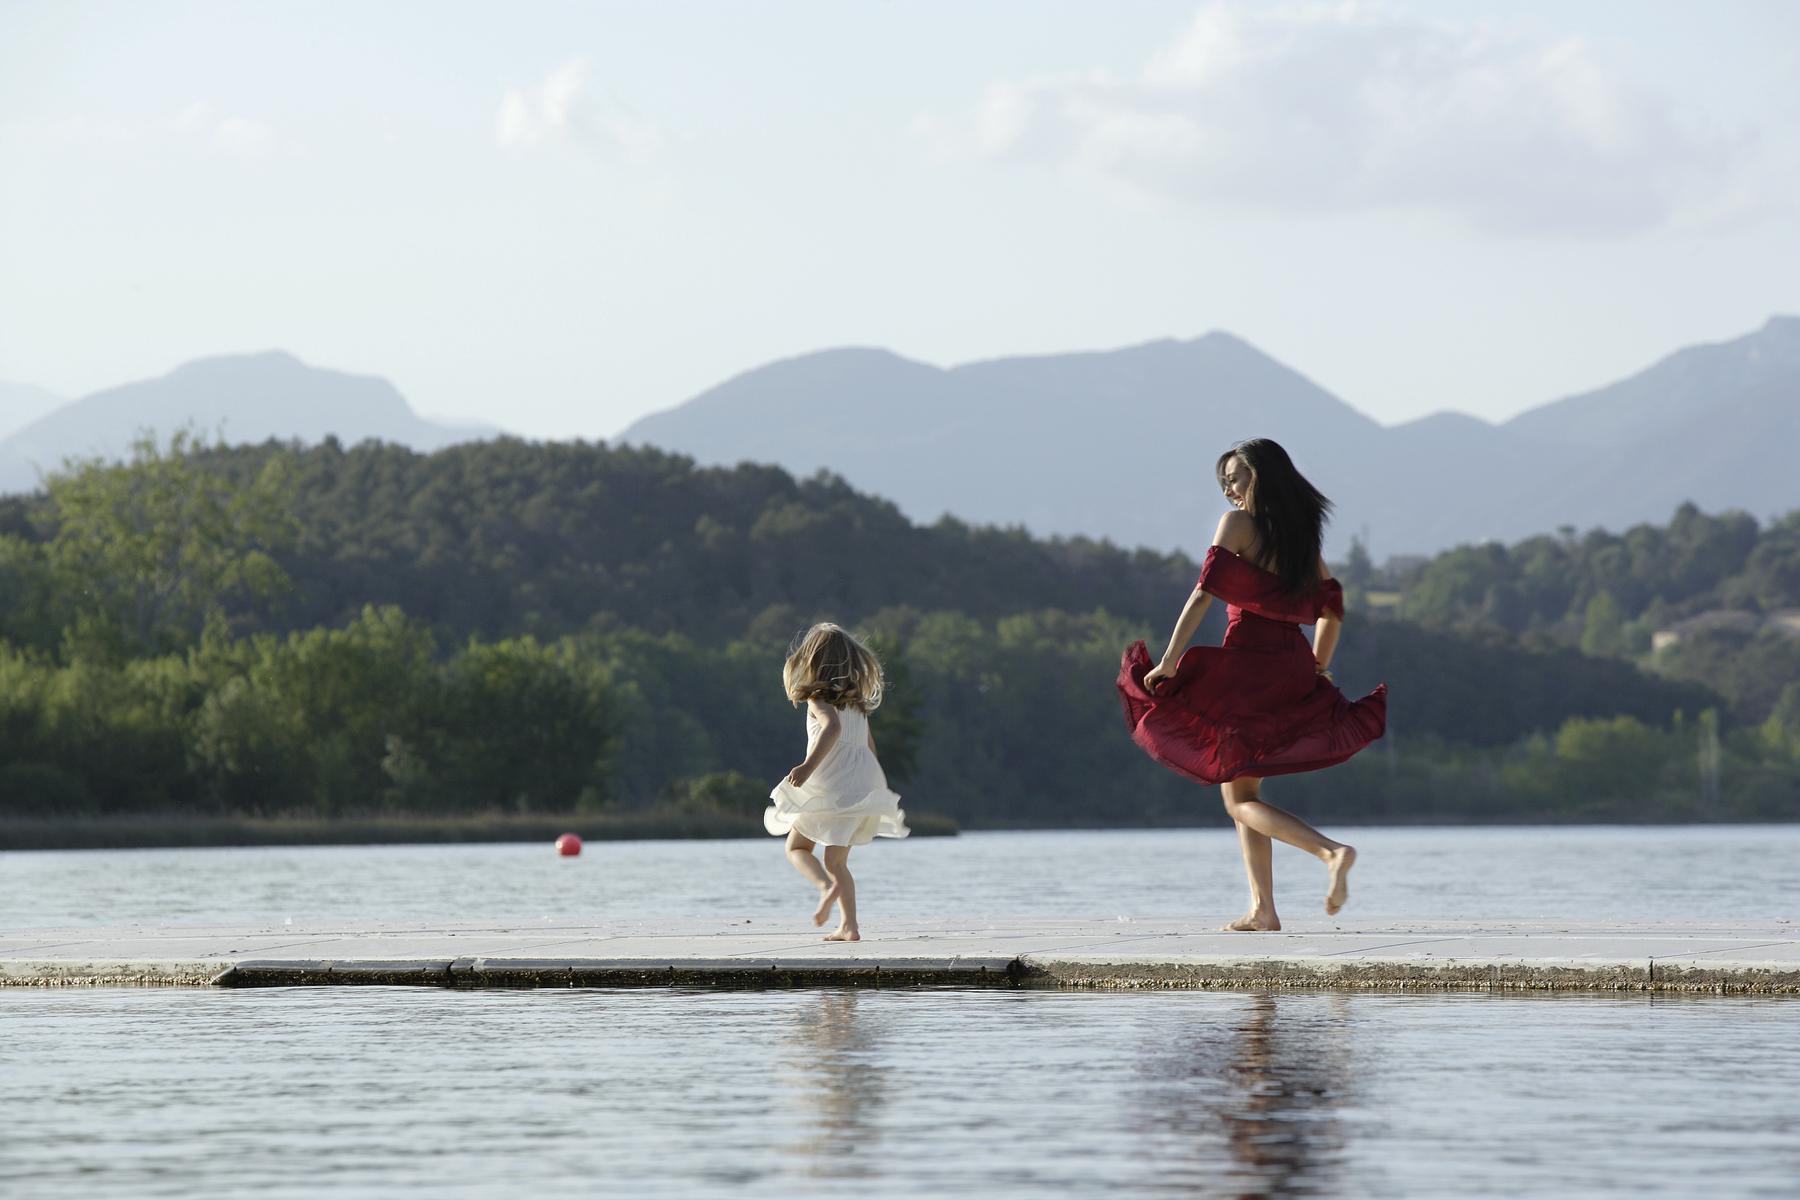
(834, 820)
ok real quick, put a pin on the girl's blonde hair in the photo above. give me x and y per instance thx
(830, 664)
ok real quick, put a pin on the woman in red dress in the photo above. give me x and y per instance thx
(1262, 703)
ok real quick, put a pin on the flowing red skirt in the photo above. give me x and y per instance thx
(1255, 706)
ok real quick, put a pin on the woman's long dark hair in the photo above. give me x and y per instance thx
(1290, 512)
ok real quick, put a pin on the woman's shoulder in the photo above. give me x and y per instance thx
(1236, 532)
(1236, 540)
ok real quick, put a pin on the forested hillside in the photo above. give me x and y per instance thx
(513, 627)
(1713, 599)
(509, 537)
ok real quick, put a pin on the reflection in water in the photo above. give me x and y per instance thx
(284, 1093)
(1247, 1104)
(832, 1067)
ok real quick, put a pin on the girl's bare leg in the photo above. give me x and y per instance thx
(843, 892)
(800, 853)
(1245, 806)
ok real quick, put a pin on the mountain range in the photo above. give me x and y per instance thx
(1115, 444)
(1121, 444)
(241, 398)
(21, 404)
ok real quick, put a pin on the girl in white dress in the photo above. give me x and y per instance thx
(838, 796)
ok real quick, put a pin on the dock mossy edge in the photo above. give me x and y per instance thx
(1360, 976)
(1046, 952)
(1024, 971)
(556, 973)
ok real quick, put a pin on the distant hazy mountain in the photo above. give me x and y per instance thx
(1121, 444)
(1716, 424)
(1671, 393)
(1117, 444)
(21, 404)
(244, 398)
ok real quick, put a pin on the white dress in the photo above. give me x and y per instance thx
(846, 801)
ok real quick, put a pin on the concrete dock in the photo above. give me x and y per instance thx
(1023, 952)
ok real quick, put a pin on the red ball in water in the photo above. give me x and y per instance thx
(568, 845)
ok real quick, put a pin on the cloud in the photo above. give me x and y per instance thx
(240, 137)
(559, 110)
(197, 129)
(1324, 109)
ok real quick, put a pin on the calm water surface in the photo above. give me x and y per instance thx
(1687, 874)
(396, 1091)
(377, 1091)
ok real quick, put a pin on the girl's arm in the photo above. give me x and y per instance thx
(830, 727)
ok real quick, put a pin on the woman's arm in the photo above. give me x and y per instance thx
(1325, 640)
(1185, 626)
(1325, 630)
(830, 726)
(1235, 533)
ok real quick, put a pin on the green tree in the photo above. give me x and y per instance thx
(27, 613)
(117, 728)
(306, 723)
(519, 727)
(1603, 628)
(1609, 757)
(899, 724)
(149, 550)
(1357, 573)
(1772, 572)
(720, 791)
(1781, 732)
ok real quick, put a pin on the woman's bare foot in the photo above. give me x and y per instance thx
(828, 898)
(844, 933)
(1339, 862)
(1254, 922)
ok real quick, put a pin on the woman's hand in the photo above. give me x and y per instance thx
(1156, 675)
(799, 775)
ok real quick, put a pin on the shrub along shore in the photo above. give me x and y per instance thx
(144, 831)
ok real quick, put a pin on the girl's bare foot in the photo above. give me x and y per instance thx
(828, 898)
(1339, 862)
(844, 933)
(1254, 922)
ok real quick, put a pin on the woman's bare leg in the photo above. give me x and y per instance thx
(843, 892)
(1258, 864)
(1247, 808)
(800, 853)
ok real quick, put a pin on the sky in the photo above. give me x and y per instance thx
(558, 217)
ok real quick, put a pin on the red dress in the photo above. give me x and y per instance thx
(1254, 705)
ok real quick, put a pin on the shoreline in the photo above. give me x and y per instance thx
(169, 832)
(184, 832)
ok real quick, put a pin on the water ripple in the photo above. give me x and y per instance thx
(682, 1093)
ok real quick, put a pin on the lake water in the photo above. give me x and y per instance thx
(1690, 874)
(382, 1091)
(418, 1091)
